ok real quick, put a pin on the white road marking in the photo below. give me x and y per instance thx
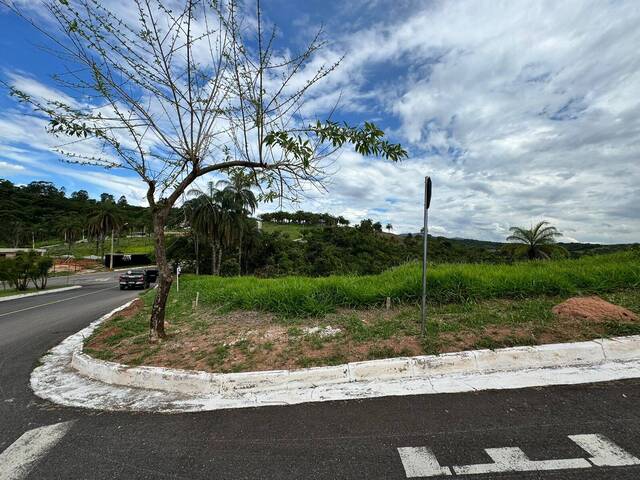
(421, 462)
(21, 456)
(57, 301)
(604, 452)
(512, 459)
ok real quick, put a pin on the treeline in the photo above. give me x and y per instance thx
(304, 218)
(41, 212)
(321, 251)
(218, 235)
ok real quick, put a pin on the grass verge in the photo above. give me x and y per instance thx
(250, 340)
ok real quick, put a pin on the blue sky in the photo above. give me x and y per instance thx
(519, 110)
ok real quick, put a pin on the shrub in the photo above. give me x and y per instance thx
(25, 267)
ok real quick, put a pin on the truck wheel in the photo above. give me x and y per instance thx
(121, 287)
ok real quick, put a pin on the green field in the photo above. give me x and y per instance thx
(447, 283)
(122, 245)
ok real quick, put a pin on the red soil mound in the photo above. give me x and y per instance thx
(592, 309)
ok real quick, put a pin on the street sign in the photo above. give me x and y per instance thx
(425, 235)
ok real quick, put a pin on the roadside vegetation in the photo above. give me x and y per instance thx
(127, 245)
(448, 283)
(24, 269)
(247, 323)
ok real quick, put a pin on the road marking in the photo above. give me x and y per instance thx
(512, 459)
(21, 456)
(421, 462)
(57, 301)
(604, 452)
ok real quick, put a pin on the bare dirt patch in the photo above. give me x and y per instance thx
(247, 340)
(592, 309)
(132, 310)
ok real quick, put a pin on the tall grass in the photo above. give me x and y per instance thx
(447, 283)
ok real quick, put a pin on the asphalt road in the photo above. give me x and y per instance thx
(348, 439)
(106, 278)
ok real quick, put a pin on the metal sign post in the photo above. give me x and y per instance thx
(425, 234)
(178, 270)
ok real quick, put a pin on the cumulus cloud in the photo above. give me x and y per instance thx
(519, 110)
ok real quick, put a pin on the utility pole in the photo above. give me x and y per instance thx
(425, 234)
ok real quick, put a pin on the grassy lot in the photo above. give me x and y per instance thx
(122, 245)
(246, 323)
(245, 341)
(292, 230)
(448, 283)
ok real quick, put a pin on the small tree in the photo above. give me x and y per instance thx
(25, 267)
(39, 271)
(389, 227)
(186, 91)
(538, 242)
(21, 271)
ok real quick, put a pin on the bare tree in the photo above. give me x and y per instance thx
(173, 94)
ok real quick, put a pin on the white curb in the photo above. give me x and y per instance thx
(42, 292)
(470, 362)
(70, 377)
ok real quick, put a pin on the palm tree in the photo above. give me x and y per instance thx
(71, 230)
(210, 220)
(104, 220)
(241, 202)
(389, 227)
(538, 242)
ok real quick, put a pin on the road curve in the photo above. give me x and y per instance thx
(348, 439)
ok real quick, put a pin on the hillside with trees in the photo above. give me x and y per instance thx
(41, 213)
(218, 234)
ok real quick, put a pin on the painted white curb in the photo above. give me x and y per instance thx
(521, 367)
(589, 353)
(42, 292)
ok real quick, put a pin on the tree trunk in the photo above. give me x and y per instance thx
(195, 238)
(240, 254)
(165, 277)
(213, 259)
(219, 260)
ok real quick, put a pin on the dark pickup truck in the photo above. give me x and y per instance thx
(138, 278)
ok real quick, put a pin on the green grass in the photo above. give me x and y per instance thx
(364, 334)
(134, 245)
(447, 284)
(292, 230)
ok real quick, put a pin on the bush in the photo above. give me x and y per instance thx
(25, 267)
(229, 268)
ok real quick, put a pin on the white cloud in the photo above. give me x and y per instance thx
(4, 166)
(519, 110)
